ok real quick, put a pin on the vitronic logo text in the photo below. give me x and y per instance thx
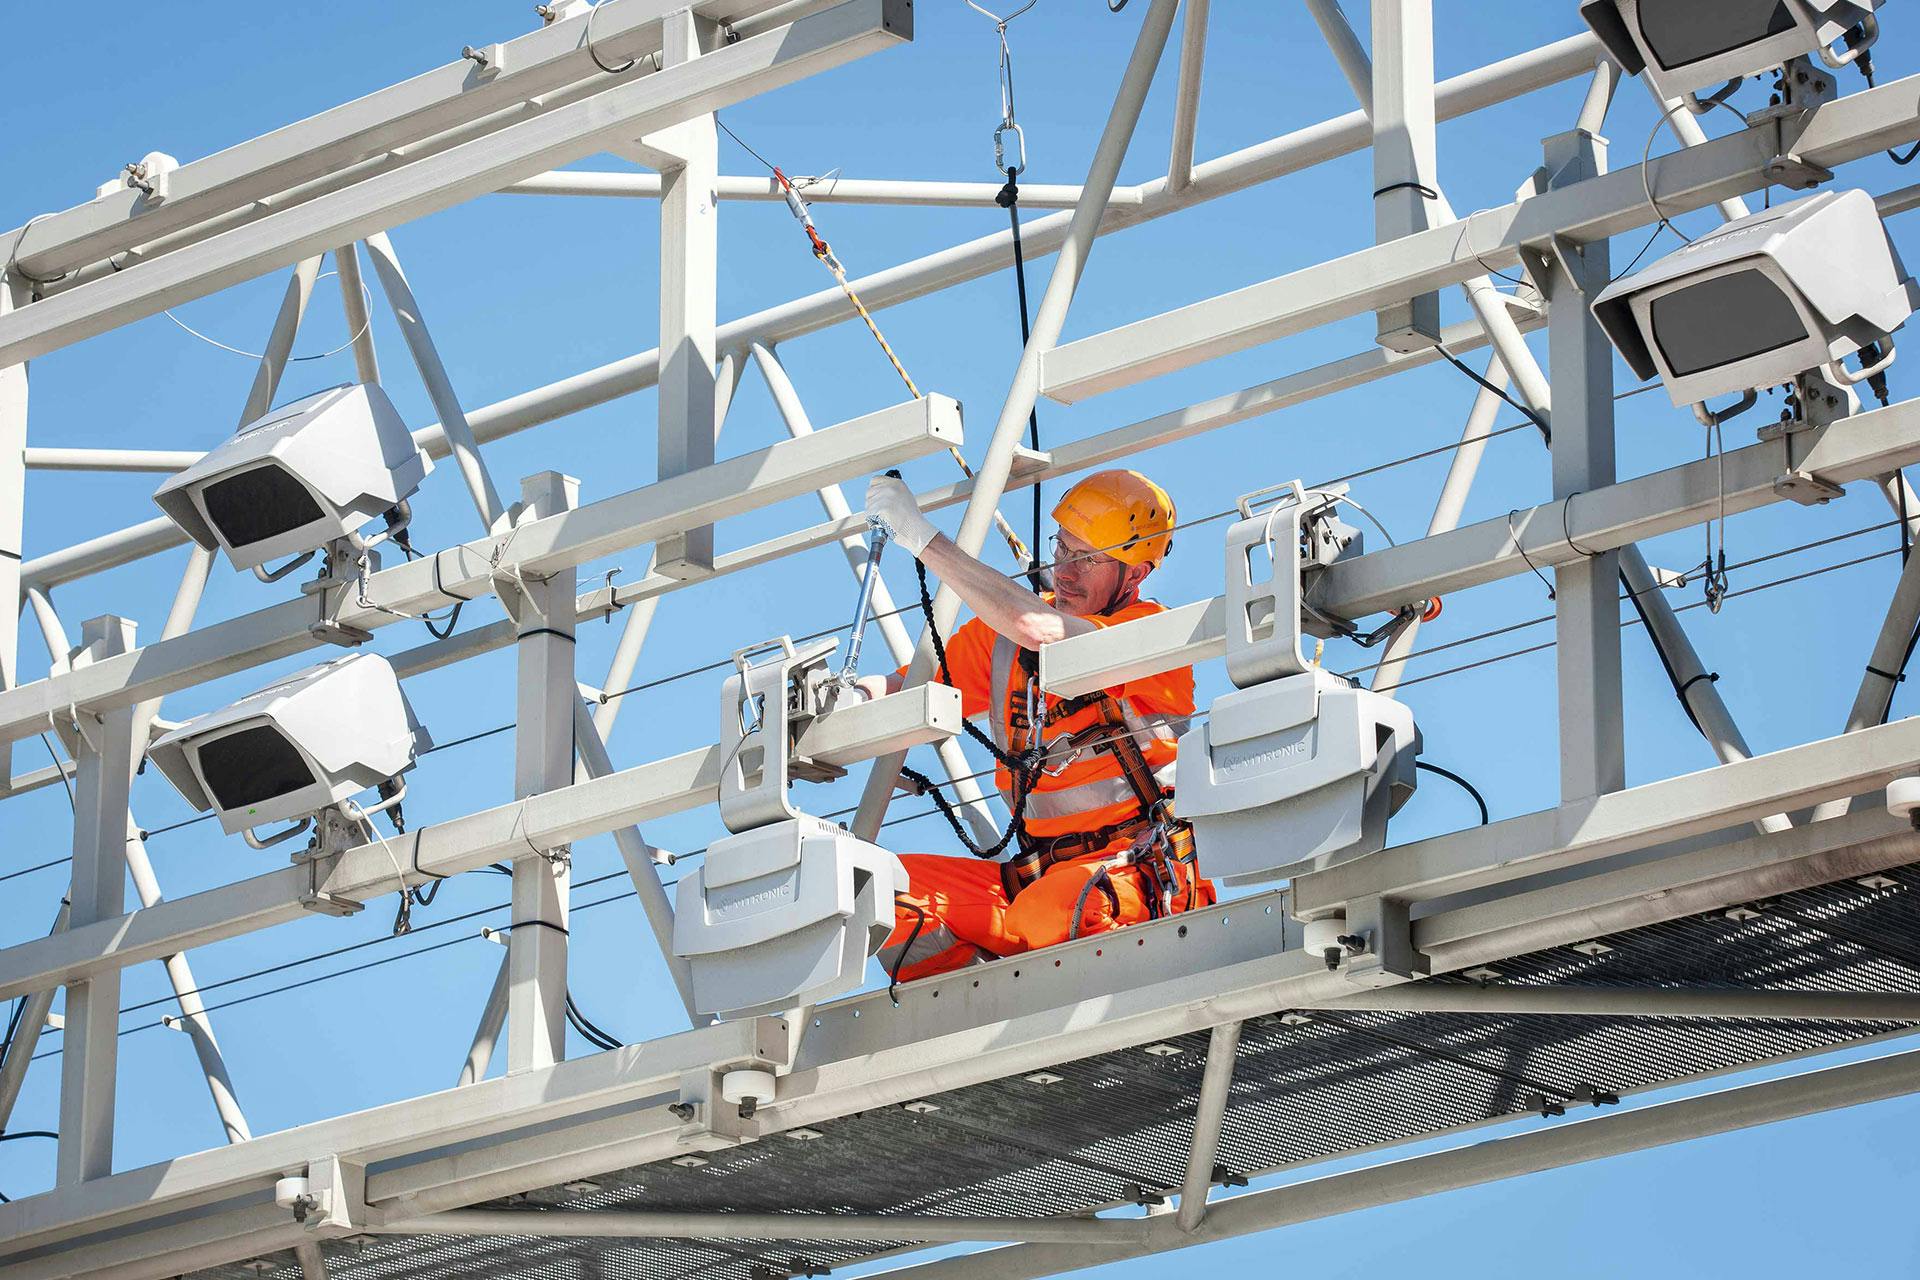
(1261, 756)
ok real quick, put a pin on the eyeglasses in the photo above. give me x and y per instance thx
(1065, 557)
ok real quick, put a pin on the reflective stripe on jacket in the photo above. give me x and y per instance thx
(1083, 790)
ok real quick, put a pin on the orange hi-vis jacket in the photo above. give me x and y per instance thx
(1079, 788)
(956, 911)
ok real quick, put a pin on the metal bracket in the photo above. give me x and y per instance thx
(333, 834)
(1802, 89)
(708, 1123)
(347, 563)
(1297, 529)
(1388, 956)
(763, 707)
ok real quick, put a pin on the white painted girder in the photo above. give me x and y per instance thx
(788, 468)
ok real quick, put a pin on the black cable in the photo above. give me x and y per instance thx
(1023, 771)
(588, 1031)
(1546, 432)
(29, 1133)
(919, 923)
(1455, 778)
(65, 782)
(1660, 651)
(1908, 158)
(453, 620)
(1009, 199)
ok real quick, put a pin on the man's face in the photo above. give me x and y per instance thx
(1085, 581)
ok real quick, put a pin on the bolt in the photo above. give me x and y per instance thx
(683, 1110)
(472, 54)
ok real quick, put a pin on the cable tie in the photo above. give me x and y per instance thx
(439, 587)
(1515, 539)
(1711, 677)
(544, 924)
(417, 868)
(1896, 677)
(546, 631)
(1566, 527)
(1421, 187)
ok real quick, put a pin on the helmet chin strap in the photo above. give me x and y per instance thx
(1120, 598)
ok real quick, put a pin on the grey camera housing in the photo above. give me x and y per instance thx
(1294, 775)
(1762, 300)
(300, 745)
(783, 915)
(299, 477)
(1684, 45)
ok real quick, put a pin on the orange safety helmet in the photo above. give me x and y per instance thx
(1121, 513)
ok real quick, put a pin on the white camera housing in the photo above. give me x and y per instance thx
(1685, 45)
(1762, 300)
(296, 747)
(298, 478)
(783, 915)
(1294, 775)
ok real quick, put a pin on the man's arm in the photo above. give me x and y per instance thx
(998, 601)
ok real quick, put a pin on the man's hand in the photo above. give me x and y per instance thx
(892, 501)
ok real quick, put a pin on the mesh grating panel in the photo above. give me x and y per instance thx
(1117, 1125)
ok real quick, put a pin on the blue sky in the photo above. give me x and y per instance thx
(521, 291)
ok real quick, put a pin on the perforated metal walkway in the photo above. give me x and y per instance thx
(1116, 1127)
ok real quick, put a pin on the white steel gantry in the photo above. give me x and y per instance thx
(642, 79)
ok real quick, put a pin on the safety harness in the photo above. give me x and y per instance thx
(1161, 845)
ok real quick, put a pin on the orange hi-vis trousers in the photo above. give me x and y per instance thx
(963, 917)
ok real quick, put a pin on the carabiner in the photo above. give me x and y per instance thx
(1000, 151)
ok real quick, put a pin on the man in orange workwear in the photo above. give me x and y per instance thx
(1098, 846)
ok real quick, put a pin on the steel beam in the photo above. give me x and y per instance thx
(1582, 213)
(354, 310)
(105, 758)
(1627, 1002)
(493, 1020)
(1405, 173)
(971, 801)
(1677, 879)
(844, 736)
(818, 190)
(744, 483)
(1494, 83)
(33, 1017)
(688, 157)
(648, 1225)
(546, 696)
(632, 106)
(433, 374)
(1584, 831)
(1549, 535)
(313, 1263)
(1569, 1143)
(158, 461)
(394, 124)
(1210, 1111)
(990, 478)
(1186, 98)
(392, 1132)
(642, 866)
(186, 991)
(13, 505)
(1461, 470)
(1586, 595)
(1073, 456)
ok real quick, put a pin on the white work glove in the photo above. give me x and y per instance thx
(892, 501)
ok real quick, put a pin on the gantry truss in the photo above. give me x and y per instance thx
(1617, 942)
